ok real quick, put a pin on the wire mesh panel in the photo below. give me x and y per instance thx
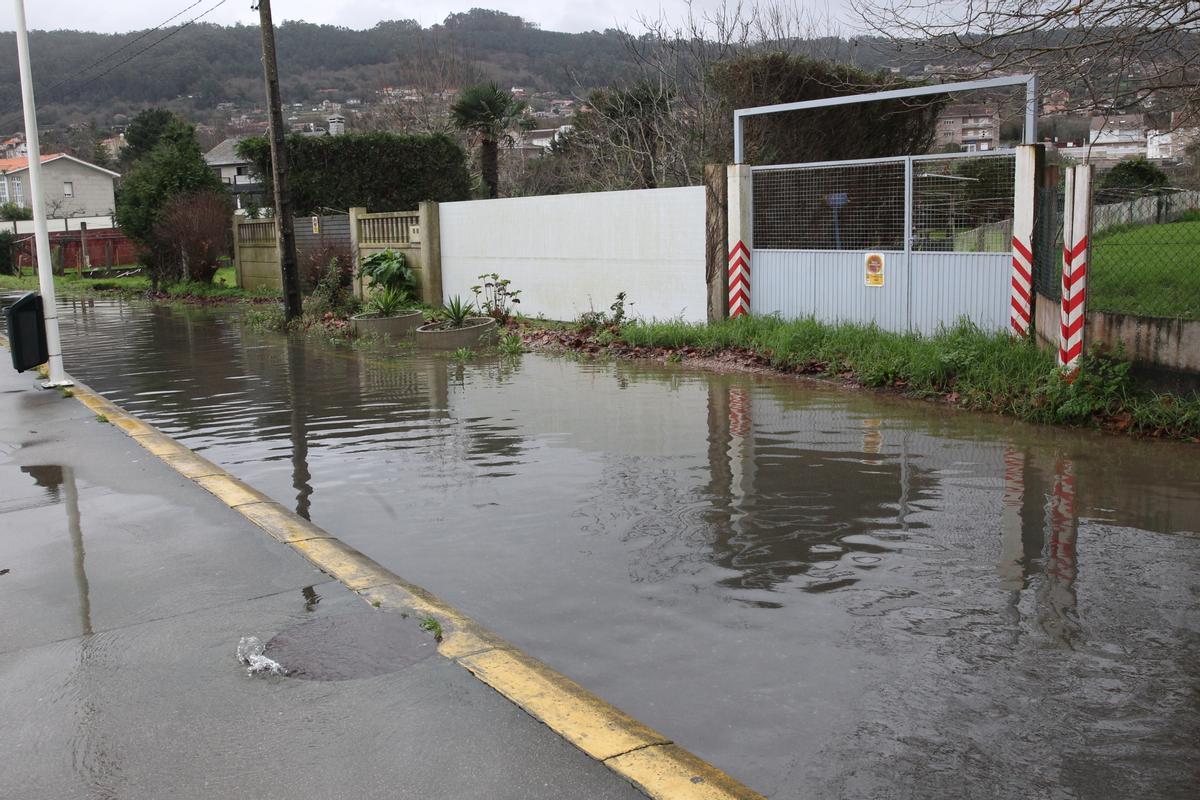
(841, 207)
(963, 205)
(1048, 242)
(1145, 257)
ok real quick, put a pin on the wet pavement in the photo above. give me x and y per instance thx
(125, 590)
(826, 594)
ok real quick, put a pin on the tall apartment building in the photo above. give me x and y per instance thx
(973, 128)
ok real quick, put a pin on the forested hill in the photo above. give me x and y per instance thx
(213, 64)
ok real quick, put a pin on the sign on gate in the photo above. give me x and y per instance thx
(873, 269)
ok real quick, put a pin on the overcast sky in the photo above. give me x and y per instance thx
(124, 15)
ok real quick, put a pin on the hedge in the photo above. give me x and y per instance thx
(376, 171)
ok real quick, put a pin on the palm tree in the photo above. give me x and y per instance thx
(489, 113)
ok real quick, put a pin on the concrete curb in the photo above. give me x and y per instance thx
(646, 758)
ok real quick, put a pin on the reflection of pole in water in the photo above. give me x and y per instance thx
(298, 428)
(53, 477)
(71, 498)
(1012, 550)
(1057, 607)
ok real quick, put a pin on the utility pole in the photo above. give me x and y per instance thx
(283, 205)
(41, 237)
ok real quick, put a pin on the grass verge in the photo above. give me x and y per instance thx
(963, 366)
(222, 289)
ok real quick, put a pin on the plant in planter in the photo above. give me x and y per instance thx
(389, 306)
(458, 328)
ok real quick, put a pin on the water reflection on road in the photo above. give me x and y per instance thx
(826, 594)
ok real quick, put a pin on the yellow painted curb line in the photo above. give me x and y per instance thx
(638, 753)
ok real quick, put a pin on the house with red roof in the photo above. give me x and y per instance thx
(72, 187)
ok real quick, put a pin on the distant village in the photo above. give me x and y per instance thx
(1102, 139)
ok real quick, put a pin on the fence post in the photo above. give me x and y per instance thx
(716, 238)
(355, 255)
(741, 237)
(237, 252)
(1077, 219)
(431, 252)
(1025, 185)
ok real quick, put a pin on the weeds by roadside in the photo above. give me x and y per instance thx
(962, 366)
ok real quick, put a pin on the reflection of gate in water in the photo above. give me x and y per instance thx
(942, 224)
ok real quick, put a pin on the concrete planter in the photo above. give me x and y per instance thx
(398, 327)
(436, 337)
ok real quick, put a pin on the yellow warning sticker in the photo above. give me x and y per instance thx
(873, 269)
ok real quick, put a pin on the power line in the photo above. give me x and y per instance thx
(126, 46)
(150, 46)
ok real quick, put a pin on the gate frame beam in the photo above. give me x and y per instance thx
(1029, 81)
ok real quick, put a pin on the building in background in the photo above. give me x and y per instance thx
(337, 125)
(237, 173)
(73, 187)
(1170, 142)
(1117, 137)
(971, 128)
(14, 147)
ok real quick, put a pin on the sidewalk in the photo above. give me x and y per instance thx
(125, 588)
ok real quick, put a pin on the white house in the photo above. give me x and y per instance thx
(1118, 137)
(236, 172)
(72, 186)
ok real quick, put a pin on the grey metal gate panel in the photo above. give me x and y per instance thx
(830, 286)
(946, 287)
(942, 221)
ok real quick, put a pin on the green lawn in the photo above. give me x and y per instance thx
(1150, 270)
(69, 284)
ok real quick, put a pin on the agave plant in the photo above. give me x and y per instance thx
(457, 312)
(387, 302)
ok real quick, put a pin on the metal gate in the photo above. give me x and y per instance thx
(911, 243)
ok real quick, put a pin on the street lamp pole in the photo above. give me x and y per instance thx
(45, 269)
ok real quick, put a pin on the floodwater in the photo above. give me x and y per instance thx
(827, 594)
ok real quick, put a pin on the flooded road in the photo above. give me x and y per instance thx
(826, 594)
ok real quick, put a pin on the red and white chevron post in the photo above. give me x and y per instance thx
(1077, 226)
(1024, 204)
(739, 280)
(740, 239)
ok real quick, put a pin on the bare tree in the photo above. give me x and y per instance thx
(1108, 54)
(429, 71)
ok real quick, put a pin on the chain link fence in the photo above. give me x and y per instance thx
(1145, 253)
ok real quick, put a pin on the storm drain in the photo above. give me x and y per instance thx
(350, 646)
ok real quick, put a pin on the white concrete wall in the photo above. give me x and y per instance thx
(56, 224)
(572, 253)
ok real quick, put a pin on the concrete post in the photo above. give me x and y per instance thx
(431, 253)
(1077, 228)
(355, 256)
(716, 242)
(1024, 207)
(237, 253)
(741, 238)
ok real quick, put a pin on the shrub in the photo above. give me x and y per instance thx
(331, 291)
(370, 170)
(389, 270)
(8, 261)
(194, 228)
